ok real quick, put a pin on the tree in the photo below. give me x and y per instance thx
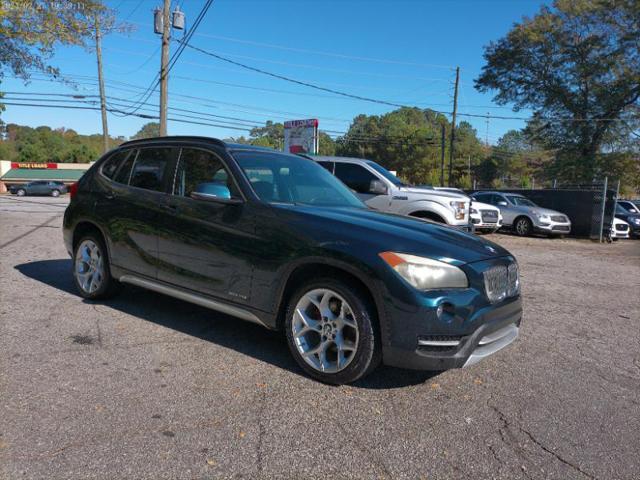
(148, 130)
(31, 29)
(577, 65)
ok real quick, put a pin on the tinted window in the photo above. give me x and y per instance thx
(328, 166)
(124, 171)
(150, 168)
(482, 197)
(111, 165)
(521, 201)
(355, 177)
(385, 173)
(277, 177)
(197, 167)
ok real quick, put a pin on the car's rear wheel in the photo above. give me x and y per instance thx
(523, 227)
(331, 332)
(91, 270)
(21, 192)
(55, 193)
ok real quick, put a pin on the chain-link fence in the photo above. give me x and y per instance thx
(590, 207)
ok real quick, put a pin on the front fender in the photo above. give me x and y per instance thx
(427, 206)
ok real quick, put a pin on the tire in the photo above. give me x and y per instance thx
(357, 335)
(55, 193)
(523, 227)
(21, 192)
(90, 255)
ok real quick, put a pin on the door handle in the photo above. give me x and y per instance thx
(110, 196)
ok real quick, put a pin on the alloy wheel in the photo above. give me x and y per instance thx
(325, 331)
(522, 227)
(89, 266)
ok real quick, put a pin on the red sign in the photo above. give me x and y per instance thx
(34, 165)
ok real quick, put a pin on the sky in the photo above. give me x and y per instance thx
(402, 52)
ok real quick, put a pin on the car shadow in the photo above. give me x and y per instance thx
(208, 325)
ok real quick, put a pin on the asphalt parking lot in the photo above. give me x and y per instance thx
(145, 386)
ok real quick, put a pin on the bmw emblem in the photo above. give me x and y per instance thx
(491, 249)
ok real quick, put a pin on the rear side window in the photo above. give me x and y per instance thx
(355, 177)
(150, 170)
(110, 167)
(327, 166)
(123, 173)
(196, 169)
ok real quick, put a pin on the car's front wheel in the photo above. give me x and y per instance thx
(91, 270)
(55, 193)
(21, 192)
(524, 227)
(331, 331)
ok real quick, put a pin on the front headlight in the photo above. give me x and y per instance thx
(425, 273)
(458, 209)
(636, 221)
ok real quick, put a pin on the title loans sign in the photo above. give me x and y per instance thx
(301, 136)
(33, 165)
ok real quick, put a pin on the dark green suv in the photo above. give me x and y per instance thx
(275, 239)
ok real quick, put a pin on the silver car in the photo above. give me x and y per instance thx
(524, 216)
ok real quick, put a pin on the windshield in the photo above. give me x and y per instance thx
(620, 209)
(386, 173)
(521, 201)
(282, 178)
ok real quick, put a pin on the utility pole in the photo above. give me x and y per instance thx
(443, 142)
(164, 63)
(103, 102)
(486, 138)
(453, 124)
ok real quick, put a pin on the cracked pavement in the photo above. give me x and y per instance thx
(145, 386)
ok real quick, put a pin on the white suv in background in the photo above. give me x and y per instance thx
(382, 190)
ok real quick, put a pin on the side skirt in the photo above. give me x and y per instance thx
(193, 298)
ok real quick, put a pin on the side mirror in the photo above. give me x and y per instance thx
(502, 203)
(214, 192)
(377, 187)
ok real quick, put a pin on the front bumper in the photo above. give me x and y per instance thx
(498, 326)
(552, 228)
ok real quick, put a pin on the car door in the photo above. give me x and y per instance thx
(205, 245)
(358, 179)
(131, 206)
(506, 209)
(36, 188)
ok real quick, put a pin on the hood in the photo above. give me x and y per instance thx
(547, 211)
(431, 191)
(484, 206)
(359, 229)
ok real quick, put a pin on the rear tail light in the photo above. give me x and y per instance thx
(73, 189)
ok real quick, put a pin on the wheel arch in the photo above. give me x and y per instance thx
(428, 215)
(316, 268)
(84, 227)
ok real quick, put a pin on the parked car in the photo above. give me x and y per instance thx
(629, 206)
(382, 190)
(39, 187)
(275, 239)
(484, 217)
(524, 216)
(633, 219)
(619, 229)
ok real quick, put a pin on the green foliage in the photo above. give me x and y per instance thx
(30, 30)
(42, 144)
(578, 61)
(148, 130)
(407, 140)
